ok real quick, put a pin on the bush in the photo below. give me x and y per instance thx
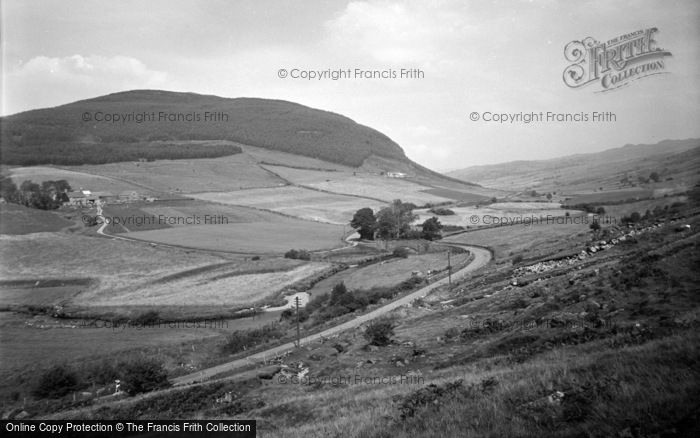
(56, 382)
(441, 211)
(101, 373)
(143, 375)
(291, 315)
(300, 254)
(379, 332)
(401, 252)
(150, 317)
(243, 339)
(517, 259)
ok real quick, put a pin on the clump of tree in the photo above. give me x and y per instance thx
(300, 254)
(441, 211)
(291, 315)
(56, 382)
(379, 332)
(401, 251)
(432, 229)
(588, 208)
(342, 301)
(394, 221)
(115, 149)
(143, 375)
(391, 222)
(632, 218)
(241, 340)
(48, 195)
(365, 223)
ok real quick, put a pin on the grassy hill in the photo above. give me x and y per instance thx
(152, 124)
(677, 162)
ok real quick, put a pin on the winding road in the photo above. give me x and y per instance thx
(482, 257)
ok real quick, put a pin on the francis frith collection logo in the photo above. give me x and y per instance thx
(616, 62)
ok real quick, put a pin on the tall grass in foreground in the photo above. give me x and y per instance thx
(646, 389)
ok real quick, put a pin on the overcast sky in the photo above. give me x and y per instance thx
(499, 56)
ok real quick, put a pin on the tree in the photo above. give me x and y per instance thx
(595, 227)
(654, 176)
(379, 332)
(395, 220)
(364, 222)
(8, 190)
(431, 228)
(56, 382)
(143, 375)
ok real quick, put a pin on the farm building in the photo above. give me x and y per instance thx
(396, 175)
(76, 198)
(105, 196)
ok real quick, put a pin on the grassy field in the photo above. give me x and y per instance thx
(250, 238)
(360, 184)
(234, 172)
(17, 219)
(496, 213)
(620, 210)
(231, 289)
(142, 216)
(78, 177)
(457, 195)
(28, 344)
(267, 156)
(610, 196)
(36, 256)
(295, 201)
(388, 273)
(532, 241)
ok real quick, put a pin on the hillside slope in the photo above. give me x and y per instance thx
(149, 118)
(677, 159)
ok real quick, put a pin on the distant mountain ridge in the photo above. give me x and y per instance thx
(665, 156)
(153, 116)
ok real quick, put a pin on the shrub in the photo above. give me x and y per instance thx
(102, 372)
(143, 375)
(243, 339)
(300, 254)
(291, 315)
(255, 258)
(150, 317)
(379, 332)
(401, 252)
(56, 382)
(517, 259)
(441, 211)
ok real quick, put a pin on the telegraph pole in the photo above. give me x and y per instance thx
(296, 300)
